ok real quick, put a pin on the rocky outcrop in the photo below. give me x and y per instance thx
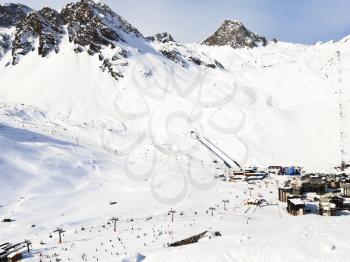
(161, 38)
(5, 43)
(47, 25)
(10, 14)
(183, 56)
(236, 35)
(94, 25)
(198, 61)
(173, 55)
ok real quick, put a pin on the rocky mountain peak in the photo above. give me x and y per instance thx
(90, 25)
(93, 24)
(235, 34)
(10, 14)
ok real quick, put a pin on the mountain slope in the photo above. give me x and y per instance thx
(209, 82)
(277, 113)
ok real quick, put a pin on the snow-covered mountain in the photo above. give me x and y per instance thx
(84, 57)
(91, 111)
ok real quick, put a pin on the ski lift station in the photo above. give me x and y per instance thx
(13, 252)
(235, 170)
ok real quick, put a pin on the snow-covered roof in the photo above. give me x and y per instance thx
(285, 187)
(296, 201)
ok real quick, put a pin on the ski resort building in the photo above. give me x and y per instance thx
(330, 190)
(274, 169)
(330, 203)
(295, 206)
(10, 252)
(327, 209)
(284, 193)
(346, 190)
(310, 183)
(290, 171)
(247, 175)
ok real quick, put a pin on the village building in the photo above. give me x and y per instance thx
(346, 190)
(284, 192)
(333, 183)
(274, 169)
(327, 209)
(295, 206)
(330, 203)
(10, 252)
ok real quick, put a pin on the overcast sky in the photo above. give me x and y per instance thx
(304, 21)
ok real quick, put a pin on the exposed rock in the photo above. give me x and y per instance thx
(107, 65)
(5, 44)
(199, 62)
(45, 25)
(174, 56)
(53, 17)
(236, 35)
(195, 60)
(161, 38)
(10, 14)
(93, 25)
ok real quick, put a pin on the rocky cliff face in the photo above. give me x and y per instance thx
(10, 14)
(94, 25)
(45, 25)
(5, 43)
(236, 35)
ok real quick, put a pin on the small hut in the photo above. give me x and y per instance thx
(327, 208)
(295, 206)
(14, 257)
(330, 203)
(10, 252)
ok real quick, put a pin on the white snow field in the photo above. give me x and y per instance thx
(78, 147)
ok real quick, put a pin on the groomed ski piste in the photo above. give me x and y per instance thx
(79, 148)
